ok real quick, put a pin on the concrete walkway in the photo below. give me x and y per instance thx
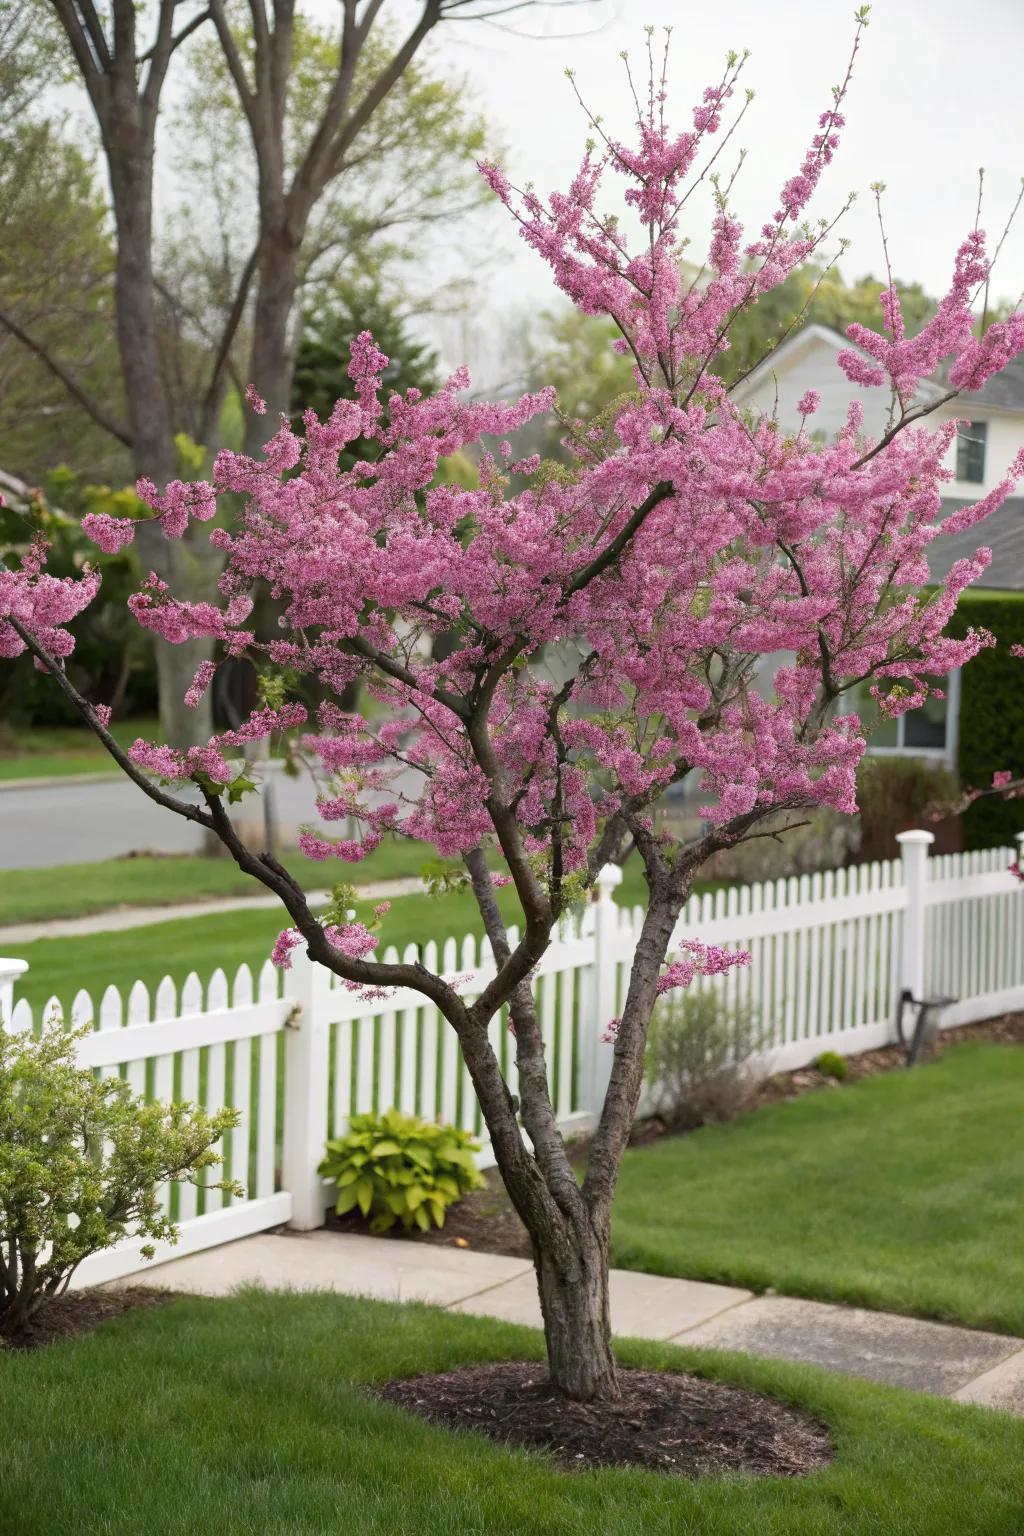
(119, 919)
(961, 1363)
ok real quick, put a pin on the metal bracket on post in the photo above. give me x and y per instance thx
(926, 1026)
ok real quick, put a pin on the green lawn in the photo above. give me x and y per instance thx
(900, 1192)
(222, 1418)
(58, 750)
(77, 890)
(60, 966)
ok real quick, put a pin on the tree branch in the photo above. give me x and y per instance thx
(613, 550)
(92, 720)
(179, 37)
(227, 337)
(71, 384)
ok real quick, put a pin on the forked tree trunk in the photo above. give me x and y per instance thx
(577, 1320)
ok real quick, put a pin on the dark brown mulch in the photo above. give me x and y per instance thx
(80, 1312)
(484, 1219)
(662, 1422)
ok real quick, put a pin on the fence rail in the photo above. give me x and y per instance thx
(830, 954)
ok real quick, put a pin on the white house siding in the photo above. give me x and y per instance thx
(1005, 440)
(812, 365)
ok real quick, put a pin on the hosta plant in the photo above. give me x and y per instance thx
(81, 1159)
(397, 1167)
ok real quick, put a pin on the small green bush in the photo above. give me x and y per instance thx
(397, 1167)
(700, 1058)
(831, 1064)
(80, 1161)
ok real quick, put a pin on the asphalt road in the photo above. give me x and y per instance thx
(82, 822)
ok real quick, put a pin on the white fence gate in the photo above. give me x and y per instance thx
(829, 955)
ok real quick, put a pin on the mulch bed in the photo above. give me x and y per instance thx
(80, 1312)
(663, 1421)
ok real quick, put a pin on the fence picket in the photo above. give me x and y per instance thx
(216, 1084)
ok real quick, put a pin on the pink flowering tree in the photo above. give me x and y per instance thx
(718, 584)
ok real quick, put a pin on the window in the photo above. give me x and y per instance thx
(926, 732)
(970, 451)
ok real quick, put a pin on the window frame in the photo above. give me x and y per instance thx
(945, 754)
(966, 445)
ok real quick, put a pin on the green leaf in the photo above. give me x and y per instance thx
(346, 1200)
(385, 1148)
(364, 1194)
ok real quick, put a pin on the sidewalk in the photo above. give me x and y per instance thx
(118, 919)
(961, 1363)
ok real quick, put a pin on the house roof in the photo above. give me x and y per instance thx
(789, 350)
(1004, 391)
(1002, 532)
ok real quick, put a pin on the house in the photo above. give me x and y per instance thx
(985, 447)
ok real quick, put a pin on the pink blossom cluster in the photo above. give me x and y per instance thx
(41, 603)
(698, 960)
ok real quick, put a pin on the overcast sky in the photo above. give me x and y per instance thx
(936, 94)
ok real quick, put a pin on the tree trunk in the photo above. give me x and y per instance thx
(271, 361)
(130, 160)
(573, 1288)
(188, 577)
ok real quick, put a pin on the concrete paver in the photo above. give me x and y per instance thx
(643, 1306)
(1001, 1387)
(382, 1268)
(984, 1368)
(901, 1351)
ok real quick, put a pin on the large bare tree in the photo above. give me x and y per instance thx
(122, 58)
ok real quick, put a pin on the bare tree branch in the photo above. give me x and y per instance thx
(71, 384)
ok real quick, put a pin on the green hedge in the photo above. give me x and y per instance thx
(992, 715)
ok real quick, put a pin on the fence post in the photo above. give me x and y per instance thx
(913, 959)
(10, 970)
(599, 1053)
(305, 1090)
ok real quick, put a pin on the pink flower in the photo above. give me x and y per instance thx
(110, 533)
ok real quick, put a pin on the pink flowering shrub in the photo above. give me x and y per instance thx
(709, 588)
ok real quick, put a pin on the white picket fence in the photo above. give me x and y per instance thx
(829, 955)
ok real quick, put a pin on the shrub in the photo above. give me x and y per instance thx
(699, 1063)
(991, 733)
(397, 1167)
(806, 842)
(895, 793)
(80, 1159)
(831, 1064)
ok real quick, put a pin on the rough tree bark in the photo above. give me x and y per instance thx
(569, 1226)
(124, 87)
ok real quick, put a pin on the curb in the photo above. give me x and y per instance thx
(58, 780)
